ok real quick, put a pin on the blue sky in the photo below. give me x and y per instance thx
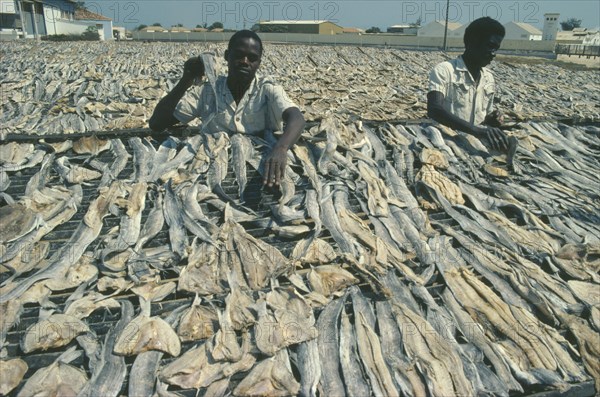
(362, 14)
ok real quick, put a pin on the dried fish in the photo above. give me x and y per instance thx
(174, 218)
(55, 331)
(91, 145)
(331, 383)
(272, 377)
(369, 348)
(144, 370)
(309, 367)
(354, 379)
(110, 372)
(58, 379)
(329, 279)
(198, 322)
(193, 369)
(12, 373)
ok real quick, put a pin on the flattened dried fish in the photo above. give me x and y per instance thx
(193, 369)
(109, 374)
(309, 367)
(259, 260)
(91, 145)
(57, 379)
(331, 383)
(17, 221)
(328, 279)
(11, 374)
(142, 375)
(55, 331)
(147, 333)
(369, 347)
(198, 322)
(354, 380)
(270, 377)
(203, 274)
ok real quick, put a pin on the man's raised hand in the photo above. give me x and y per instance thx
(193, 69)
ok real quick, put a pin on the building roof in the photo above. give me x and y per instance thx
(527, 27)
(451, 25)
(179, 29)
(87, 15)
(353, 30)
(199, 30)
(284, 22)
(405, 26)
(153, 29)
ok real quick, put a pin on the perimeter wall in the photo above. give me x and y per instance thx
(391, 40)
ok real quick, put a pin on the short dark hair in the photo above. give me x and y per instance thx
(481, 29)
(244, 34)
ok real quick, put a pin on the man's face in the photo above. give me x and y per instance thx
(484, 52)
(243, 59)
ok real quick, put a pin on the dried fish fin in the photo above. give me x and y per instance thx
(272, 377)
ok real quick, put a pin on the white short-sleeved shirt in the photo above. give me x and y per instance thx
(260, 108)
(463, 97)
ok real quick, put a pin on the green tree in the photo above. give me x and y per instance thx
(179, 25)
(91, 33)
(156, 24)
(373, 29)
(80, 5)
(216, 25)
(570, 24)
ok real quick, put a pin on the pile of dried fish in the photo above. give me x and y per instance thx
(51, 88)
(395, 260)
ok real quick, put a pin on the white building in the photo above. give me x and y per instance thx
(404, 29)
(437, 28)
(521, 31)
(581, 36)
(550, 26)
(102, 23)
(592, 38)
(37, 18)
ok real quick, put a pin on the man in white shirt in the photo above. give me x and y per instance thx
(244, 102)
(461, 91)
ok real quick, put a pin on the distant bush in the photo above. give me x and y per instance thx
(91, 34)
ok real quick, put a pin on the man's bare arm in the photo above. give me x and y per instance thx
(162, 117)
(276, 161)
(435, 110)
